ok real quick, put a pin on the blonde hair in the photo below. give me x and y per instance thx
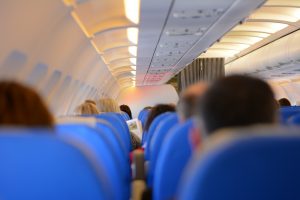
(108, 105)
(87, 108)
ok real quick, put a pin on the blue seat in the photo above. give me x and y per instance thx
(253, 168)
(36, 164)
(174, 155)
(106, 155)
(148, 134)
(294, 119)
(288, 111)
(143, 115)
(120, 125)
(114, 140)
(125, 116)
(156, 143)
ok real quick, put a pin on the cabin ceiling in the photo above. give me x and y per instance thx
(273, 20)
(259, 37)
(148, 42)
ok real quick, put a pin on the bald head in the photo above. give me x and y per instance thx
(189, 98)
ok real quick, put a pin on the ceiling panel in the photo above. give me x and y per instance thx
(189, 28)
(275, 19)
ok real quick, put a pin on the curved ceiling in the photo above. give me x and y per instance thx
(112, 26)
(148, 44)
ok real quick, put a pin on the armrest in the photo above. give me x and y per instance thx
(138, 175)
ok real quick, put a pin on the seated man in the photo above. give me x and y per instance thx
(187, 103)
(236, 101)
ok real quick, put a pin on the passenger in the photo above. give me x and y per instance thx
(90, 101)
(88, 108)
(236, 101)
(22, 106)
(108, 105)
(157, 110)
(187, 104)
(126, 109)
(147, 108)
(284, 102)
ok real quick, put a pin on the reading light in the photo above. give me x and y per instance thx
(133, 67)
(132, 50)
(132, 10)
(133, 60)
(132, 35)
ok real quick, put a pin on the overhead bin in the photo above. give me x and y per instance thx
(279, 59)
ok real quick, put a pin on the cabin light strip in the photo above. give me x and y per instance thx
(132, 10)
(260, 25)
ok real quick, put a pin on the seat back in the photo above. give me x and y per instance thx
(174, 155)
(125, 116)
(148, 135)
(36, 164)
(156, 142)
(294, 119)
(288, 111)
(118, 123)
(257, 167)
(99, 144)
(143, 115)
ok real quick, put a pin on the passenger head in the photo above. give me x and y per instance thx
(108, 105)
(157, 110)
(147, 108)
(90, 101)
(284, 102)
(22, 106)
(88, 108)
(126, 109)
(187, 104)
(236, 101)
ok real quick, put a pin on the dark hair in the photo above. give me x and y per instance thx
(284, 102)
(126, 108)
(237, 101)
(21, 105)
(147, 108)
(157, 110)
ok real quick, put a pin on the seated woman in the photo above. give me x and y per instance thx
(110, 105)
(126, 109)
(22, 106)
(154, 112)
(87, 108)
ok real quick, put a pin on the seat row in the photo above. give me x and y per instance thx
(87, 157)
(82, 158)
(168, 151)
